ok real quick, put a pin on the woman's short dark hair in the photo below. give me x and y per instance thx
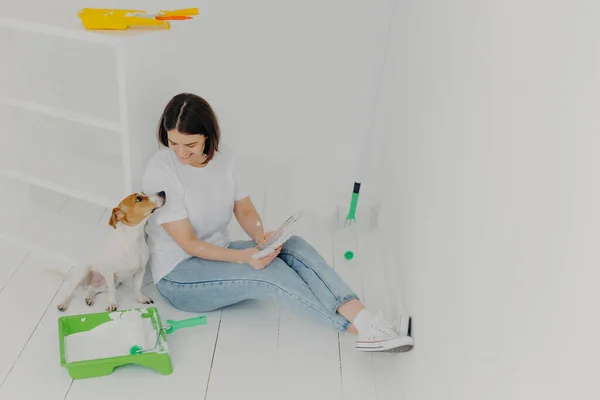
(190, 114)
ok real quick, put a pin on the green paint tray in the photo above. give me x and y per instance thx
(156, 358)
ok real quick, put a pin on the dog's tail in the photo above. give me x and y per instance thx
(62, 274)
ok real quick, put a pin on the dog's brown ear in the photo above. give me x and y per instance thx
(116, 216)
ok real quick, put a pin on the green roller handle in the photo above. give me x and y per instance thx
(184, 323)
(352, 211)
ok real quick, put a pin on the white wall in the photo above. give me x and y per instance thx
(491, 114)
(290, 82)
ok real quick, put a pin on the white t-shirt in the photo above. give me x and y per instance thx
(203, 195)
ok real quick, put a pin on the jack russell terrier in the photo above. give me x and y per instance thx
(124, 254)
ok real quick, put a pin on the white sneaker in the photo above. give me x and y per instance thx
(381, 336)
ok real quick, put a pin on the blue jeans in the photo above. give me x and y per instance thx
(299, 279)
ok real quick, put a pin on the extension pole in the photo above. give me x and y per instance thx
(351, 216)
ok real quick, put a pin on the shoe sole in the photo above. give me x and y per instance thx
(401, 345)
(401, 349)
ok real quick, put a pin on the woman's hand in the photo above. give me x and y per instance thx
(260, 263)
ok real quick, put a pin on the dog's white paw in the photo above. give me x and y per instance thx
(62, 306)
(89, 300)
(144, 300)
(112, 307)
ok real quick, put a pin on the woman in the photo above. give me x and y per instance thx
(196, 266)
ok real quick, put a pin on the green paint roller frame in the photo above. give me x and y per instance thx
(159, 360)
(173, 326)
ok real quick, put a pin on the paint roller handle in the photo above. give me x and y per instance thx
(185, 323)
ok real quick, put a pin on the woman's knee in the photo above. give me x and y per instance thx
(297, 243)
(297, 248)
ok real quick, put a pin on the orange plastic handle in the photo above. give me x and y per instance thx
(175, 17)
(185, 12)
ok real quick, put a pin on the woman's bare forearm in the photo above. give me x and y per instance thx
(250, 220)
(252, 225)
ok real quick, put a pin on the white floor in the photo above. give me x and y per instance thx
(254, 350)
